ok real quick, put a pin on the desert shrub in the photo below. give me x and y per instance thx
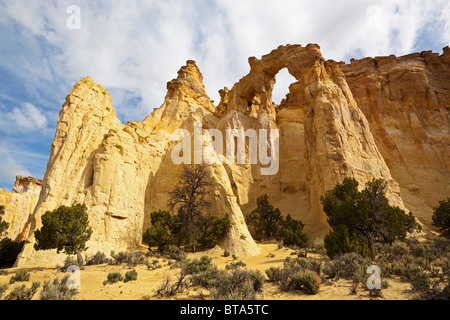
(57, 290)
(440, 247)
(168, 289)
(176, 253)
(3, 272)
(20, 276)
(318, 245)
(273, 274)
(306, 281)
(119, 258)
(152, 266)
(98, 258)
(296, 275)
(69, 261)
(113, 277)
(135, 259)
(22, 292)
(420, 281)
(202, 271)
(226, 254)
(130, 276)
(9, 250)
(3, 288)
(345, 265)
(238, 284)
(196, 265)
(399, 249)
(235, 265)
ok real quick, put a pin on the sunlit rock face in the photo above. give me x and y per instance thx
(19, 206)
(325, 131)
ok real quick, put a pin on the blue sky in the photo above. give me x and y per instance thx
(134, 47)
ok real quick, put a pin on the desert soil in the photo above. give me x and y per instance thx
(92, 278)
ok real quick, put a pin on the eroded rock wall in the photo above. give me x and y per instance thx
(407, 103)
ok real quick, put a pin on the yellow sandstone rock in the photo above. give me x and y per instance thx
(376, 118)
(19, 206)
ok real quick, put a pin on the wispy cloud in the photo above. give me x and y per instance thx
(133, 48)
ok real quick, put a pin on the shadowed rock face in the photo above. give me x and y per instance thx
(124, 172)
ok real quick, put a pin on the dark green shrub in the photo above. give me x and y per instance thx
(159, 234)
(291, 232)
(57, 290)
(226, 254)
(113, 277)
(360, 219)
(22, 292)
(211, 229)
(130, 276)
(339, 242)
(20, 276)
(265, 218)
(441, 216)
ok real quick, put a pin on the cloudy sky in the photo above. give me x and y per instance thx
(134, 47)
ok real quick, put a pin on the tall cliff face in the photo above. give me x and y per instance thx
(407, 103)
(19, 206)
(317, 137)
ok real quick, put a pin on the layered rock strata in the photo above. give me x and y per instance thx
(317, 137)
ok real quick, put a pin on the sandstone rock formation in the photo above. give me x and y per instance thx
(19, 206)
(124, 172)
(407, 103)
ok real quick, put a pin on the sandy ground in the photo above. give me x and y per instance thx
(92, 278)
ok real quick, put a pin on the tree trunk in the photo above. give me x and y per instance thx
(79, 258)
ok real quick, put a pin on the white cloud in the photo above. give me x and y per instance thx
(133, 48)
(25, 119)
(9, 168)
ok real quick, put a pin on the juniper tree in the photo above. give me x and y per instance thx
(65, 229)
(265, 218)
(359, 219)
(441, 216)
(189, 199)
